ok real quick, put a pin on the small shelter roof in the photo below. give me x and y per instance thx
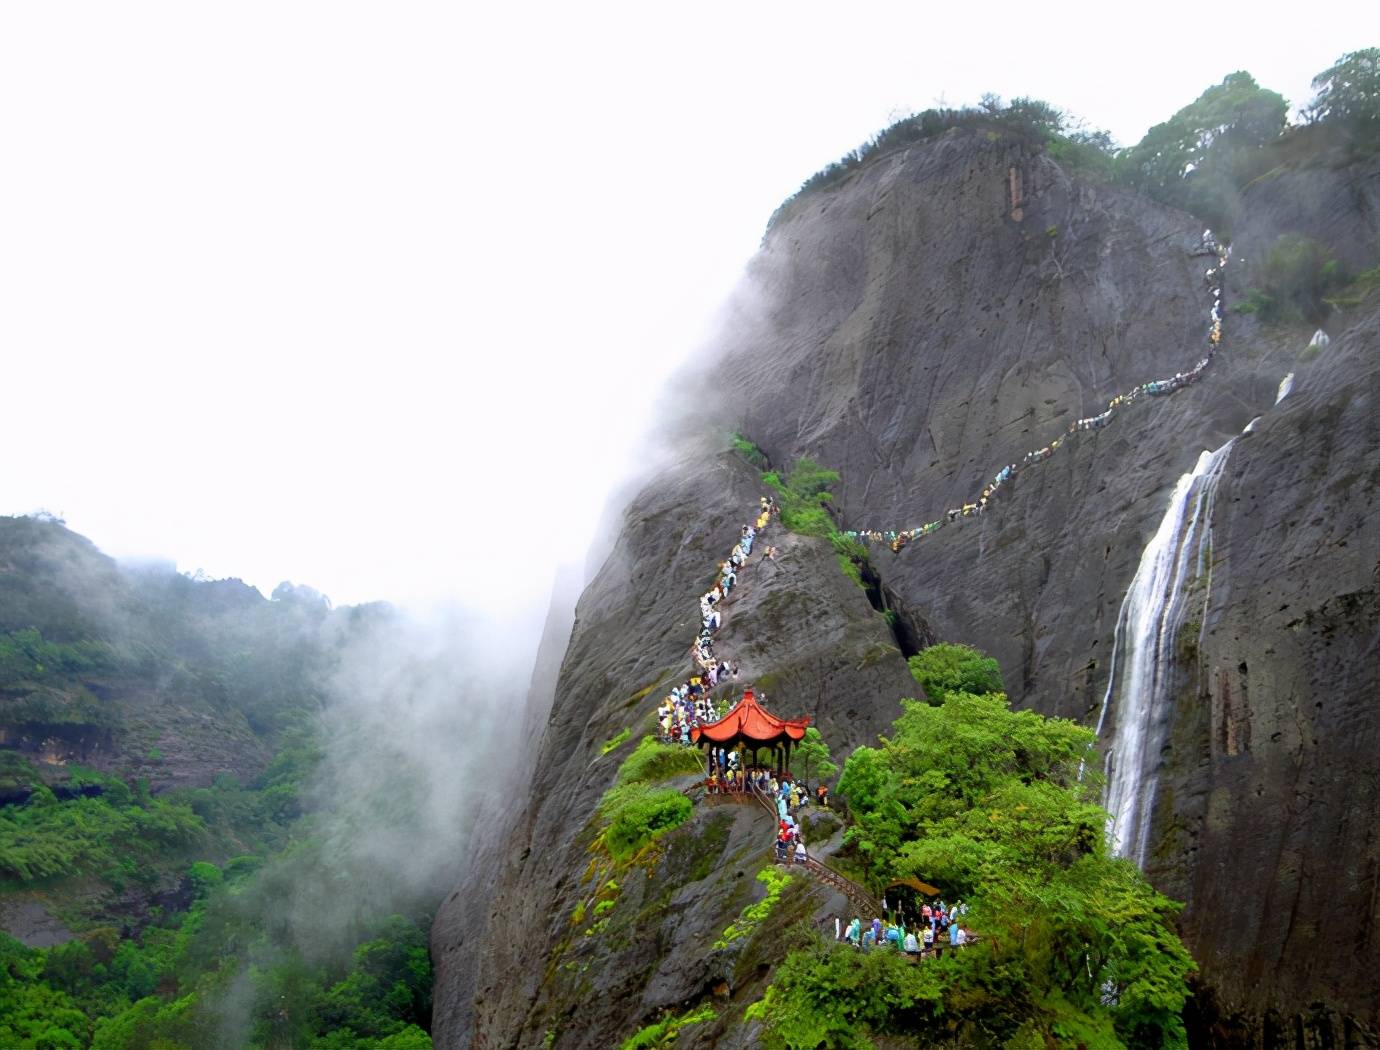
(750, 723)
(916, 884)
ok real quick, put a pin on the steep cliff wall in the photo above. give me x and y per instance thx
(800, 618)
(946, 309)
(1271, 832)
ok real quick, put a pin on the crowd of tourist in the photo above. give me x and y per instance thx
(898, 539)
(690, 704)
(790, 847)
(936, 927)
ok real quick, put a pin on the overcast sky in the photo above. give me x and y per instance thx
(376, 297)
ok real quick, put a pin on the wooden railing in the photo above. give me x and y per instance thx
(866, 905)
(857, 896)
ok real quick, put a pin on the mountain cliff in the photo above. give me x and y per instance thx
(943, 310)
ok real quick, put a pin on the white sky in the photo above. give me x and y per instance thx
(375, 297)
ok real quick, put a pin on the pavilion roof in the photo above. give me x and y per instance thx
(750, 723)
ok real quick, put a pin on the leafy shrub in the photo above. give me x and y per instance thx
(802, 497)
(1362, 287)
(652, 760)
(614, 741)
(638, 814)
(16, 771)
(204, 877)
(812, 756)
(387, 987)
(748, 451)
(665, 1032)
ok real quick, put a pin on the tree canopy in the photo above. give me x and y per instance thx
(998, 808)
(946, 668)
(1199, 157)
(1348, 92)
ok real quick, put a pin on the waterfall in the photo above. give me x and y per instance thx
(1285, 385)
(1175, 566)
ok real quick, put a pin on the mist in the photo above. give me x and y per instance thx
(326, 294)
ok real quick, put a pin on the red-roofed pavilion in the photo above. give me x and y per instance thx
(752, 727)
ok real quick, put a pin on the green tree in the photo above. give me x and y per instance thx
(947, 668)
(988, 803)
(1202, 155)
(388, 987)
(814, 753)
(204, 877)
(1348, 93)
(32, 1013)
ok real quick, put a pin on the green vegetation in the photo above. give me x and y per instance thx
(1027, 119)
(1347, 94)
(634, 813)
(113, 835)
(1201, 156)
(1236, 132)
(25, 656)
(233, 953)
(664, 1032)
(1362, 287)
(813, 756)
(652, 761)
(749, 451)
(946, 668)
(804, 496)
(167, 986)
(615, 741)
(1199, 159)
(637, 815)
(1293, 280)
(1074, 946)
(111, 993)
(752, 916)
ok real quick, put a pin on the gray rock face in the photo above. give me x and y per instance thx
(1271, 831)
(799, 618)
(943, 311)
(1338, 206)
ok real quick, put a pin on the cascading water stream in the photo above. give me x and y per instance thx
(1141, 683)
(1175, 566)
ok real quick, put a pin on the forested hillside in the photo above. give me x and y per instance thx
(189, 853)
